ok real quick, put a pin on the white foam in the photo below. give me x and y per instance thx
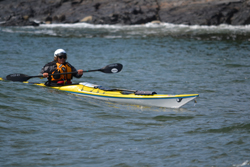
(243, 164)
(127, 31)
(148, 25)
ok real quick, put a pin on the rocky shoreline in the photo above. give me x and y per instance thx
(124, 12)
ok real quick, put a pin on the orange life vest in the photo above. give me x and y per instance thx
(62, 68)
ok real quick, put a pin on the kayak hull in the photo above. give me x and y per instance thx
(167, 102)
(156, 100)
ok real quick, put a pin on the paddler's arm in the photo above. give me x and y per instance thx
(45, 75)
(48, 69)
(78, 73)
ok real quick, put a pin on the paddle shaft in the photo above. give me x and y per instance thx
(63, 73)
(68, 73)
(74, 72)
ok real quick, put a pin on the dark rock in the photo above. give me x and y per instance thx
(96, 6)
(61, 18)
(212, 13)
(241, 18)
(75, 2)
(48, 18)
(129, 12)
(18, 21)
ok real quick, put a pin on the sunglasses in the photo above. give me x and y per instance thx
(60, 57)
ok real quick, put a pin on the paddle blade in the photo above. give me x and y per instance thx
(112, 68)
(18, 77)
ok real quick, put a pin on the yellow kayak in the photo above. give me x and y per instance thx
(143, 98)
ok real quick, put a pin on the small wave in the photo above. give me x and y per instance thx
(163, 118)
(243, 164)
(31, 30)
(221, 27)
(236, 65)
(229, 129)
(219, 32)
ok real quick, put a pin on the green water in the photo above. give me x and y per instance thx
(44, 127)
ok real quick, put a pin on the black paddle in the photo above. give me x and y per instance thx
(111, 68)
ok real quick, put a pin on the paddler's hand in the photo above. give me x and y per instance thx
(45, 75)
(80, 72)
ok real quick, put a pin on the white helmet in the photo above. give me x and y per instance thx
(60, 52)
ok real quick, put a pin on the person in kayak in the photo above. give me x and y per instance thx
(59, 65)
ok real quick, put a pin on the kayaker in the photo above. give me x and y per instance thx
(59, 65)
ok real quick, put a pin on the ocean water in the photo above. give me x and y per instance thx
(44, 127)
